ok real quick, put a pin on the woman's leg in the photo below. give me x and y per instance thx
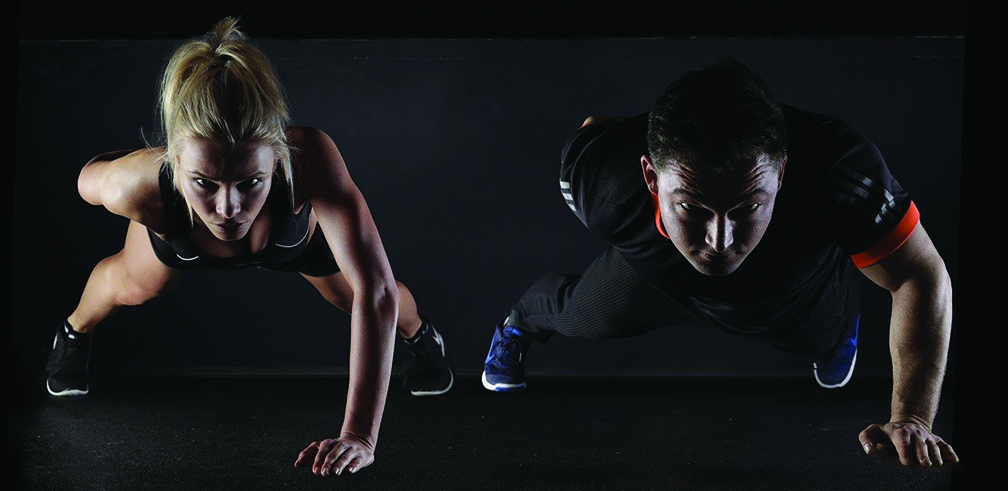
(337, 291)
(132, 276)
(427, 372)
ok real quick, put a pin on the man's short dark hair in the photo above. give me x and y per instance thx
(716, 120)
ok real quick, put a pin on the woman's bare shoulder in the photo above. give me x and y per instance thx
(308, 139)
(126, 183)
(313, 151)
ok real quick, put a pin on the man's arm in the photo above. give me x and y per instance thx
(919, 332)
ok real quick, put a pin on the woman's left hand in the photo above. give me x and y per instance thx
(332, 457)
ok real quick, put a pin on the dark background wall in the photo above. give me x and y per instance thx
(454, 141)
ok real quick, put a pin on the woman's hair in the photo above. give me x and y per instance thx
(715, 120)
(221, 87)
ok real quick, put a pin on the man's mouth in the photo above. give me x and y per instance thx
(716, 257)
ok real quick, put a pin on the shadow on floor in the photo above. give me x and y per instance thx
(564, 433)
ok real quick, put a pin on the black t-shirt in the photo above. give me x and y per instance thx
(837, 200)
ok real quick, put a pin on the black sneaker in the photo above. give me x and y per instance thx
(427, 373)
(68, 363)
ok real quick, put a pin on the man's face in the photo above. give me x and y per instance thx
(715, 222)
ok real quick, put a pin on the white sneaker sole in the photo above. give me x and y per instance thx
(424, 393)
(501, 387)
(815, 370)
(67, 392)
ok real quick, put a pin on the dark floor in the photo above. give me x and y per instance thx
(583, 433)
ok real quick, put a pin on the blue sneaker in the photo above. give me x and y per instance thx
(836, 369)
(504, 369)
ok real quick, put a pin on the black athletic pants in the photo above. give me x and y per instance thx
(610, 300)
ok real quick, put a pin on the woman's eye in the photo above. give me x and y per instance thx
(250, 184)
(203, 183)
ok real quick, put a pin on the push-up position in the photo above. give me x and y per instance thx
(685, 194)
(235, 186)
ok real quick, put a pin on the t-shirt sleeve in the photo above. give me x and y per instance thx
(601, 178)
(872, 214)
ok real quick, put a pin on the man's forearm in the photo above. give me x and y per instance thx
(918, 341)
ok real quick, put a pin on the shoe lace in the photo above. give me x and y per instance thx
(425, 354)
(508, 349)
(66, 356)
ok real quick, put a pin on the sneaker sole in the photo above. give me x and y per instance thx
(424, 393)
(815, 371)
(502, 387)
(66, 392)
(451, 380)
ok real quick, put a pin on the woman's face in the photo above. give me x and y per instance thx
(225, 186)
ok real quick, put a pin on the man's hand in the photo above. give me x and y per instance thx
(913, 443)
(332, 457)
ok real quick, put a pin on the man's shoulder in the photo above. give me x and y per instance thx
(810, 130)
(602, 159)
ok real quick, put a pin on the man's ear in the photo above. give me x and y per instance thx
(650, 174)
(780, 173)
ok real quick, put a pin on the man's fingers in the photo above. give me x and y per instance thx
(934, 453)
(873, 439)
(911, 449)
(947, 452)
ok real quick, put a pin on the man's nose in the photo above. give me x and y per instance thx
(720, 233)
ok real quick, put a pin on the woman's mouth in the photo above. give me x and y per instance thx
(229, 227)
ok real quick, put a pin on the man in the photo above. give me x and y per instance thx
(751, 218)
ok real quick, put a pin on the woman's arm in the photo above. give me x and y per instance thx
(125, 183)
(353, 237)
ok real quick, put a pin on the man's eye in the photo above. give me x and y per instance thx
(746, 210)
(692, 209)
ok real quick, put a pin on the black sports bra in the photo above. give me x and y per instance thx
(288, 237)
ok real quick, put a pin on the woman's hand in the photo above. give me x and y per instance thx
(332, 457)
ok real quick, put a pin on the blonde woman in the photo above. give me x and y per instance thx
(234, 186)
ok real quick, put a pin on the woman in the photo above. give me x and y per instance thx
(234, 186)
